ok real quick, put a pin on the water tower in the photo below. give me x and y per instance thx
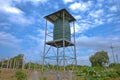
(61, 50)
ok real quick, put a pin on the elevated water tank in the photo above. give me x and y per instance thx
(61, 30)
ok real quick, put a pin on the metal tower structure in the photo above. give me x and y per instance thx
(117, 59)
(61, 50)
(113, 53)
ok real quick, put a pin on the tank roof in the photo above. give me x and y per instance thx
(59, 14)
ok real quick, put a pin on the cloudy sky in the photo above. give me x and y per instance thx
(22, 26)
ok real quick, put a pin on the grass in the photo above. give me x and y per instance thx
(7, 75)
(10, 75)
(83, 73)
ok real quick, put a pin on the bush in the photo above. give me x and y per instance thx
(20, 75)
(118, 72)
(44, 78)
(115, 65)
(112, 74)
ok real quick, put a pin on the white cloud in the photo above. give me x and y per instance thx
(12, 10)
(78, 17)
(110, 20)
(36, 1)
(33, 1)
(82, 26)
(39, 38)
(78, 28)
(117, 2)
(113, 9)
(6, 6)
(8, 40)
(41, 33)
(37, 43)
(83, 60)
(21, 20)
(36, 39)
(97, 14)
(98, 21)
(92, 20)
(15, 15)
(4, 26)
(80, 6)
(97, 42)
(99, 5)
(117, 29)
(67, 1)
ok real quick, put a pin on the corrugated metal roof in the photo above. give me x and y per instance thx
(59, 14)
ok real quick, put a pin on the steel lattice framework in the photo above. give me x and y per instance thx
(60, 52)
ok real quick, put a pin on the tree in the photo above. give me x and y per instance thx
(18, 60)
(99, 58)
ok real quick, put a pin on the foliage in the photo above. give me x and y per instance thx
(118, 72)
(90, 73)
(17, 59)
(20, 75)
(45, 78)
(99, 58)
(114, 65)
(31, 65)
(112, 74)
(97, 73)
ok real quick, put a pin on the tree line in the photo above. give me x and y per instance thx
(100, 58)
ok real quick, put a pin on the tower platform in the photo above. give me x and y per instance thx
(59, 43)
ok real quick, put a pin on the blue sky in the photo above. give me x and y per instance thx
(22, 26)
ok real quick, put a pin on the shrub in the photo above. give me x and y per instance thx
(112, 74)
(44, 78)
(118, 72)
(115, 65)
(20, 75)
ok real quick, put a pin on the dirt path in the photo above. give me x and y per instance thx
(33, 76)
